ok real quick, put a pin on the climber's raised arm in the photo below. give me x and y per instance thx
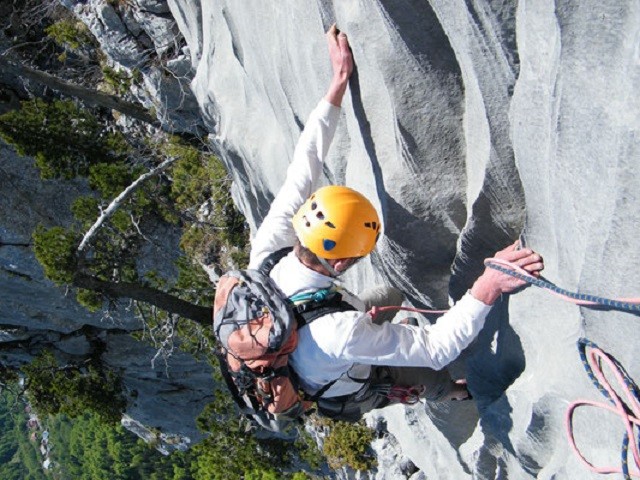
(305, 170)
(341, 63)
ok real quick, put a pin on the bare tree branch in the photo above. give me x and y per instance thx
(116, 202)
(136, 291)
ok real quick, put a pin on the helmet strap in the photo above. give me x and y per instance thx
(332, 271)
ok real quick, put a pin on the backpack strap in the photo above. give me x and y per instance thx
(329, 302)
(272, 260)
(312, 310)
(305, 313)
(309, 311)
(233, 389)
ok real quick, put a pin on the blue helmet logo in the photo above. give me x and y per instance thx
(328, 245)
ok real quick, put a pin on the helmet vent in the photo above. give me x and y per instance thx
(314, 205)
(372, 225)
(320, 216)
(329, 224)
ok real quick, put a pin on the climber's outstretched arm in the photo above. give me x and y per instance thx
(492, 283)
(341, 63)
(305, 170)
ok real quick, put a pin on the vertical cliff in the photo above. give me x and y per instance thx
(466, 123)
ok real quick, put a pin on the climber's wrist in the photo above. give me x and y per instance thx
(485, 289)
(336, 91)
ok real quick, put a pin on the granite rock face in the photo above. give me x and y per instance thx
(143, 38)
(466, 123)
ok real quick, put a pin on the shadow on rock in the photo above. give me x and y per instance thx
(456, 420)
(495, 359)
(492, 363)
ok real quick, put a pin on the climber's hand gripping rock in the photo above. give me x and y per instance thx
(341, 64)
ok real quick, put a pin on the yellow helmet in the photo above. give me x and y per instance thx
(337, 222)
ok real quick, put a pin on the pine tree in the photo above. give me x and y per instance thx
(64, 139)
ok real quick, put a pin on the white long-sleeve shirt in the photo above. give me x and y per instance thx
(344, 345)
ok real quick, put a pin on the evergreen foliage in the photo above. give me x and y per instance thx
(200, 179)
(70, 34)
(18, 456)
(64, 139)
(118, 81)
(55, 249)
(74, 389)
(349, 445)
(86, 448)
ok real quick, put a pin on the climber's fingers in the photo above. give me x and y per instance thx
(332, 35)
(339, 53)
(524, 258)
(343, 41)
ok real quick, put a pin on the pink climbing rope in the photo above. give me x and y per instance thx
(628, 412)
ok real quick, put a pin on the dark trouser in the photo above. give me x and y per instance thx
(433, 385)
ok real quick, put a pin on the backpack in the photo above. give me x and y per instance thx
(257, 328)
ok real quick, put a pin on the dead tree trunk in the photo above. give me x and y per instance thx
(136, 291)
(87, 95)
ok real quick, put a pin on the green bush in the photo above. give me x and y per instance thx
(63, 138)
(198, 178)
(92, 301)
(119, 81)
(86, 210)
(70, 33)
(110, 179)
(55, 249)
(349, 444)
(73, 389)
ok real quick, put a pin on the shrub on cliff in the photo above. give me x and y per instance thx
(64, 139)
(74, 389)
(349, 445)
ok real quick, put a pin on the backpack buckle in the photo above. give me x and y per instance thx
(244, 379)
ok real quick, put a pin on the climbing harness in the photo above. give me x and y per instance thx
(584, 299)
(409, 395)
(315, 296)
(629, 411)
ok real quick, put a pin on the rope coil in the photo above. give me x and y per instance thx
(628, 411)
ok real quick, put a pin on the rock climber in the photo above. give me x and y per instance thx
(359, 361)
